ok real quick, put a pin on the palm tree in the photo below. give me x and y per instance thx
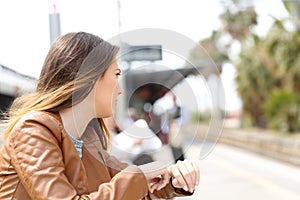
(208, 51)
(266, 66)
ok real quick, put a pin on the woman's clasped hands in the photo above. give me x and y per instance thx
(183, 175)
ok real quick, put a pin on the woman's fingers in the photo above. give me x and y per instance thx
(197, 171)
(156, 175)
(188, 172)
(193, 171)
(157, 183)
(185, 175)
(178, 176)
(165, 180)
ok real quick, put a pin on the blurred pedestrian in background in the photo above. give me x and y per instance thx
(175, 135)
(166, 120)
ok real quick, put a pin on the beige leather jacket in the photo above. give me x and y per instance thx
(40, 161)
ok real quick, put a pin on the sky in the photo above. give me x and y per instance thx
(24, 25)
(25, 40)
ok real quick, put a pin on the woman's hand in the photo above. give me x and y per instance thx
(185, 174)
(156, 174)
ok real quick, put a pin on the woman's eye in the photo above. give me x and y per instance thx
(118, 72)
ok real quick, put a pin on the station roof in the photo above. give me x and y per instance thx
(13, 83)
(158, 83)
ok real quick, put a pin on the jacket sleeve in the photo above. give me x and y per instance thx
(168, 192)
(37, 158)
(113, 164)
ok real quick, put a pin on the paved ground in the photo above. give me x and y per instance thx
(230, 173)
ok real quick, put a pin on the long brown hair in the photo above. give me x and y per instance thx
(73, 64)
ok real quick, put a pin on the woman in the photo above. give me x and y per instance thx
(56, 138)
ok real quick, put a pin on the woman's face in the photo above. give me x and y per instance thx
(107, 89)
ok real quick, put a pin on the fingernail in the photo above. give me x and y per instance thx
(185, 188)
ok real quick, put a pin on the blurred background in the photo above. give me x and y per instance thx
(239, 64)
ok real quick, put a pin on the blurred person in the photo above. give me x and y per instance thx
(175, 136)
(166, 120)
(159, 121)
(136, 143)
(56, 139)
(133, 115)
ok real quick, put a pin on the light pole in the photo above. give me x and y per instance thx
(54, 22)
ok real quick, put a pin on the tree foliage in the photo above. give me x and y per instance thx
(238, 23)
(268, 68)
(282, 109)
(208, 51)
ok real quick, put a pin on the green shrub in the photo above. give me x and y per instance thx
(282, 109)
